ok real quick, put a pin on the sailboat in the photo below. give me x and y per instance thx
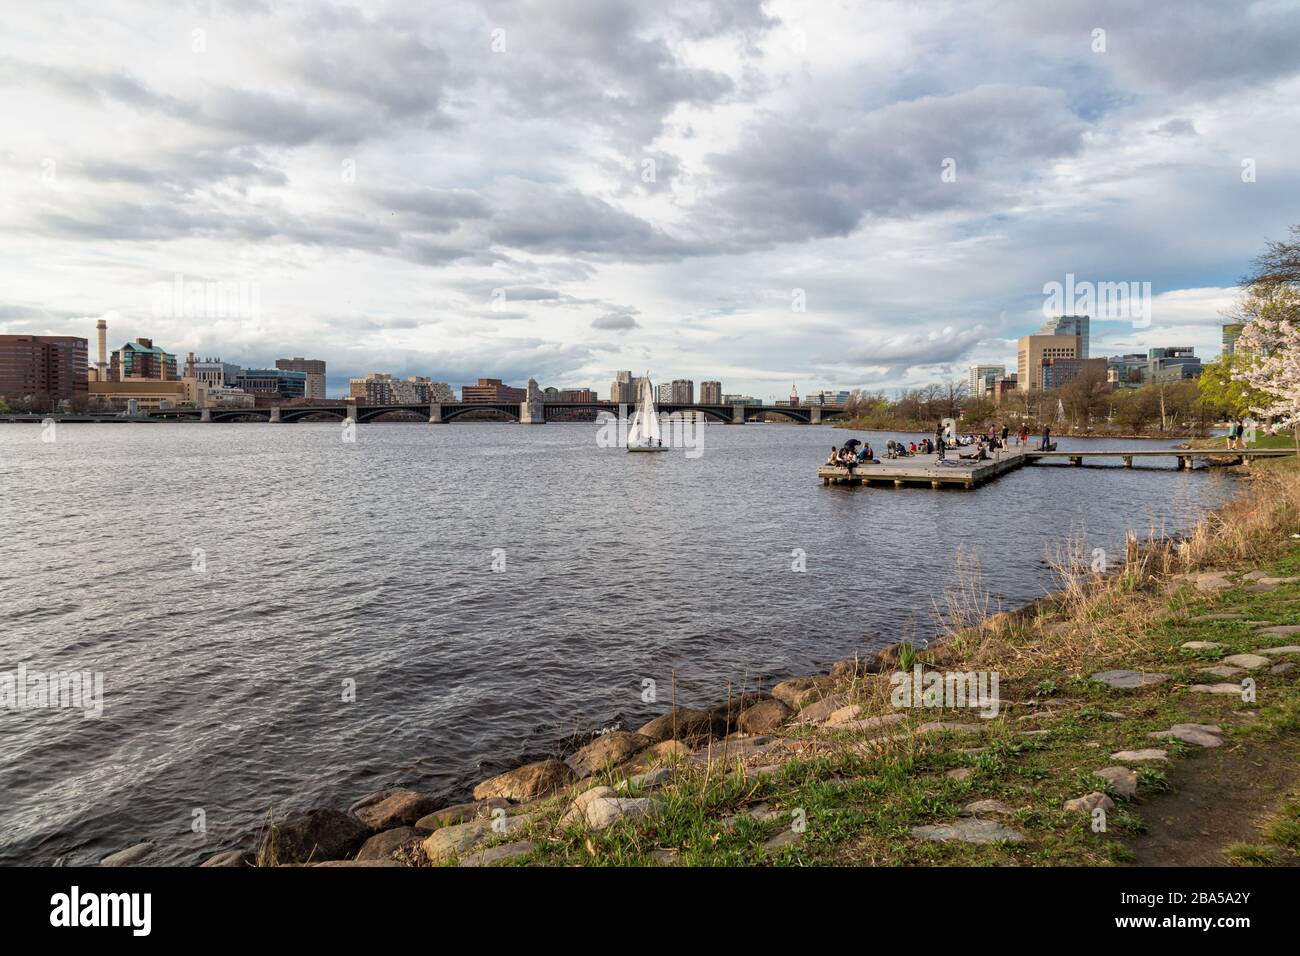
(643, 434)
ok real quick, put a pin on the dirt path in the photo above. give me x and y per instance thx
(1219, 797)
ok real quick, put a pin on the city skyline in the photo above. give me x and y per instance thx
(675, 199)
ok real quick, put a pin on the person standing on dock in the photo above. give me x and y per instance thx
(1005, 432)
(1047, 437)
(938, 440)
(1024, 434)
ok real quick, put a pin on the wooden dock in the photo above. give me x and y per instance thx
(957, 472)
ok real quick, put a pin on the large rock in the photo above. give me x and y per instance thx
(798, 691)
(381, 845)
(322, 834)
(1280, 629)
(1288, 649)
(971, 830)
(400, 808)
(1200, 645)
(461, 813)
(1203, 735)
(1222, 690)
(1121, 779)
(1124, 680)
(606, 751)
(493, 855)
(1140, 756)
(602, 807)
(528, 782)
(1248, 661)
(866, 723)
(231, 858)
(763, 717)
(128, 857)
(820, 710)
(1089, 802)
(682, 723)
(461, 838)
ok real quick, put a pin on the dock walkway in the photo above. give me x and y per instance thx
(965, 473)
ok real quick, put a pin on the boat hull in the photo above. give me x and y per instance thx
(646, 448)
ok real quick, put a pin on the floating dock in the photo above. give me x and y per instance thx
(960, 472)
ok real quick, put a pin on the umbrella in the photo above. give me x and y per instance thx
(851, 443)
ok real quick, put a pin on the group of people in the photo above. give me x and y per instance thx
(856, 453)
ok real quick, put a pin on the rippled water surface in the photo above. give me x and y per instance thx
(327, 562)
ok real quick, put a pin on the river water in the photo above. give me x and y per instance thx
(483, 590)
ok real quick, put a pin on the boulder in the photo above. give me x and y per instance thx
(128, 857)
(682, 723)
(1222, 690)
(727, 714)
(1248, 661)
(819, 710)
(528, 782)
(972, 830)
(605, 751)
(1140, 756)
(231, 858)
(381, 845)
(1203, 735)
(400, 808)
(461, 838)
(799, 691)
(976, 807)
(763, 717)
(1123, 680)
(1282, 668)
(1090, 802)
(461, 813)
(321, 834)
(602, 807)
(497, 854)
(1121, 779)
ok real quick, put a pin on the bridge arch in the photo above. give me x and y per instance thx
(505, 411)
(382, 412)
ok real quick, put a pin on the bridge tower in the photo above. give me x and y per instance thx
(275, 414)
(737, 415)
(532, 410)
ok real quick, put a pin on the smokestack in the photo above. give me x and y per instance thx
(102, 327)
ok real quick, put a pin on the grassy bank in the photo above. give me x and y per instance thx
(851, 784)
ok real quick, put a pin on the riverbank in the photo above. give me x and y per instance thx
(1111, 697)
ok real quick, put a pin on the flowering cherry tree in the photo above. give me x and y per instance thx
(1271, 340)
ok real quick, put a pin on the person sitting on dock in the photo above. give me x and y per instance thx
(834, 459)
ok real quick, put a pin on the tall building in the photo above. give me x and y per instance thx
(710, 393)
(828, 396)
(1034, 350)
(315, 369)
(272, 385)
(1125, 371)
(1172, 364)
(44, 365)
(141, 359)
(1060, 372)
(1231, 332)
(683, 391)
(491, 390)
(733, 398)
(212, 371)
(984, 377)
(381, 388)
(622, 390)
(664, 393)
(1076, 325)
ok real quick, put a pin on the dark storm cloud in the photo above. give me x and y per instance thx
(792, 179)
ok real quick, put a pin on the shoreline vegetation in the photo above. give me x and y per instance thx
(1107, 695)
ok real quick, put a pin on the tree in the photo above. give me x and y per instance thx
(1278, 264)
(1087, 395)
(1271, 341)
(1222, 389)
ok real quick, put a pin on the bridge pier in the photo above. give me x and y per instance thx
(435, 413)
(275, 415)
(532, 410)
(816, 416)
(205, 415)
(1076, 461)
(737, 415)
(1128, 461)
(1184, 463)
(352, 414)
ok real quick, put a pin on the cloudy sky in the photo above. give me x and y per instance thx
(833, 194)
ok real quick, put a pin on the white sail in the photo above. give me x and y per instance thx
(643, 431)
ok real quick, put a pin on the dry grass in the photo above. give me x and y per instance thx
(1101, 614)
